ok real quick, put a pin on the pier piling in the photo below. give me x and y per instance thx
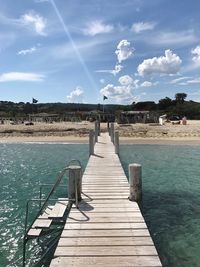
(96, 132)
(91, 142)
(75, 183)
(116, 139)
(135, 182)
(112, 129)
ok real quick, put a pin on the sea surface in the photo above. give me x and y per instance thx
(171, 194)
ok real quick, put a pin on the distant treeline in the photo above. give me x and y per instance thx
(178, 106)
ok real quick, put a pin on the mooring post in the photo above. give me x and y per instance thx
(99, 128)
(116, 139)
(135, 182)
(108, 127)
(96, 132)
(112, 129)
(91, 142)
(75, 183)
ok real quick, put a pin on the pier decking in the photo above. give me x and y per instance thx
(107, 229)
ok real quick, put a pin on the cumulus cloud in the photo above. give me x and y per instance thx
(21, 76)
(124, 50)
(76, 95)
(27, 51)
(126, 80)
(168, 64)
(147, 84)
(143, 26)
(122, 93)
(196, 53)
(117, 69)
(97, 27)
(35, 21)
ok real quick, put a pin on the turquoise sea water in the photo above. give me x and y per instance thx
(171, 194)
(23, 167)
(171, 199)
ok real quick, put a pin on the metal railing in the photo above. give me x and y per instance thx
(46, 201)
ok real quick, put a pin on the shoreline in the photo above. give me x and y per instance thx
(85, 140)
(78, 133)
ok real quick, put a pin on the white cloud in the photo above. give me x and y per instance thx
(34, 20)
(143, 26)
(27, 51)
(181, 38)
(41, 1)
(196, 53)
(168, 64)
(193, 81)
(76, 95)
(115, 71)
(147, 84)
(179, 79)
(97, 27)
(124, 50)
(21, 76)
(122, 93)
(126, 80)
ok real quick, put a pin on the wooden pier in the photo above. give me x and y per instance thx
(107, 229)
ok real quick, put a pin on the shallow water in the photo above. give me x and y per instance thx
(171, 199)
(23, 167)
(171, 194)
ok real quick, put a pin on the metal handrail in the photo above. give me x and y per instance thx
(46, 185)
(59, 177)
(55, 185)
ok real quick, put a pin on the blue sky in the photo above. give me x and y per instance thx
(78, 51)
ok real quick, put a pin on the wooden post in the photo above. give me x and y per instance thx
(116, 138)
(112, 129)
(108, 127)
(99, 128)
(75, 183)
(135, 182)
(91, 142)
(96, 132)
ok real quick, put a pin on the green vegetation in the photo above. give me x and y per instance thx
(178, 106)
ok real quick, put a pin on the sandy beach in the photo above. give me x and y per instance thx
(77, 132)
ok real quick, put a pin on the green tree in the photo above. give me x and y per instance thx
(180, 98)
(165, 103)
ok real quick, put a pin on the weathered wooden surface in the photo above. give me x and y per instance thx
(108, 229)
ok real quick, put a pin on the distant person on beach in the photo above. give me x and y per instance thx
(184, 120)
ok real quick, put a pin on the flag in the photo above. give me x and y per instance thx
(105, 97)
(34, 101)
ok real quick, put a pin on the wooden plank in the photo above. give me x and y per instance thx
(101, 232)
(108, 219)
(97, 226)
(100, 241)
(109, 209)
(106, 251)
(42, 223)
(109, 261)
(58, 210)
(34, 232)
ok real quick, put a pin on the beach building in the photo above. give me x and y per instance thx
(137, 117)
